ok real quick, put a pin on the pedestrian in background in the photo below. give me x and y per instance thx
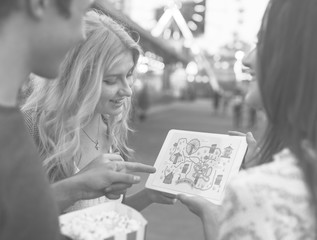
(216, 97)
(237, 108)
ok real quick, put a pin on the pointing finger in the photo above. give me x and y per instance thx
(135, 167)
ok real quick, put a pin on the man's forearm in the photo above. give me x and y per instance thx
(65, 193)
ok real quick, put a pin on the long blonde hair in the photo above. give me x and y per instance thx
(61, 108)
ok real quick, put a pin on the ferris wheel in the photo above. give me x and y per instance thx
(188, 16)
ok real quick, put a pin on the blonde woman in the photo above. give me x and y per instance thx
(85, 114)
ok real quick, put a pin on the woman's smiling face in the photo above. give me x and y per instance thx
(116, 85)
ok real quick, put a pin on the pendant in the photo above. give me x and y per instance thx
(97, 146)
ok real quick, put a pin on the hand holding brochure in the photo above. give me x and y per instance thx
(196, 163)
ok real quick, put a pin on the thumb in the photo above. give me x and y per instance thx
(236, 133)
(250, 139)
(183, 198)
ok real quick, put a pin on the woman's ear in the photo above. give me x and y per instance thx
(37, 8)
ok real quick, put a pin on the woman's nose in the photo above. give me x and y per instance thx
(249, 58)
(246, 60)
(126, 89)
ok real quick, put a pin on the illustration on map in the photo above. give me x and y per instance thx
(197, 163)
(201, 167)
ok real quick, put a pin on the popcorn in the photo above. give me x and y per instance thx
(103, 222)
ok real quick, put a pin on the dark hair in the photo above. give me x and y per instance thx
(63, 6)
(272, 141)
(7, 6)
(287, 53)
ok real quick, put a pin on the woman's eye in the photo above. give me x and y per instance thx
(110, 81)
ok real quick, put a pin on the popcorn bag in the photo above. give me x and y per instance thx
(107, 221)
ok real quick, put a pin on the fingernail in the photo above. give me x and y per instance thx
(136, 178)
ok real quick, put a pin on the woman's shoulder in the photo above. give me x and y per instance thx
(283, 170)
(282, 181)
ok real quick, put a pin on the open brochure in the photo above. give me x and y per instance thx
(196, 163)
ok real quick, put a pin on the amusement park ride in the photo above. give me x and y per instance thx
(185, 19)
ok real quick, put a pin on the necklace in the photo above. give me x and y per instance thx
(97, 141)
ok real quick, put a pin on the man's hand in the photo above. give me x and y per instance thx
(108, 175)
